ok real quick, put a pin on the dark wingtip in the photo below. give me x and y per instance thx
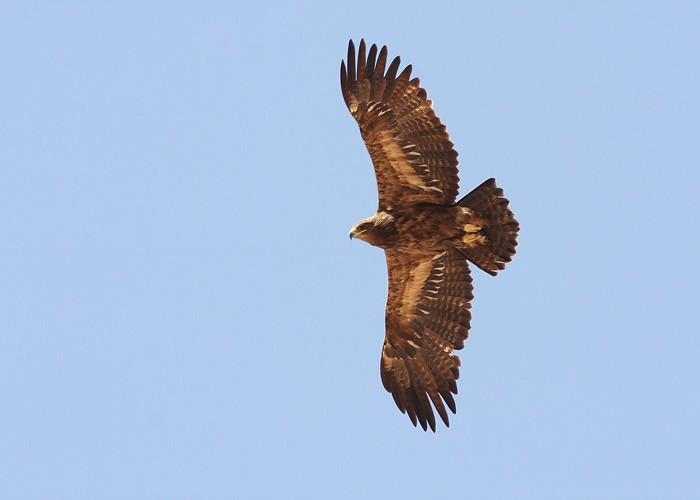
(351, 63)
(344, 87)
(371, 61)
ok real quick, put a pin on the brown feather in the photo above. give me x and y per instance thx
(427, 317)
(351, 75)
(413, 158)
(361, 61)
(500, 227)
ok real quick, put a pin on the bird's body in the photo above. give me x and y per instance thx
(427, 236)
(421, 227)
(424, 226)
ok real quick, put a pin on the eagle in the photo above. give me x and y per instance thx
(428, 237)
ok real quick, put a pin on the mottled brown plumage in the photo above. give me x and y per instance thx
(427, 237)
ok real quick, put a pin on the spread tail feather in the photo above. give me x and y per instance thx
(495, 229)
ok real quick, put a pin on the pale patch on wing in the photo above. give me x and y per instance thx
(400, 158)
(414, 287)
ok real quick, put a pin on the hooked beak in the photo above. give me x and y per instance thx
(354, 233)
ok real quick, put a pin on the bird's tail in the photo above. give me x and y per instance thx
(491, 239)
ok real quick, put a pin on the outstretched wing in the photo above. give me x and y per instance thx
(427, 317)
(413, 158)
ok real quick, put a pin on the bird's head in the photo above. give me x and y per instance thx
(360, 229)
(375, 230)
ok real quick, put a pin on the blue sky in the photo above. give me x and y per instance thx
(182, 314)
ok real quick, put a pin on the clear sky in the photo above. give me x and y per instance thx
(182, 314)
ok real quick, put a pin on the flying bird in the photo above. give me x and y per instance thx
(428, 237)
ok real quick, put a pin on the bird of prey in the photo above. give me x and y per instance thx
(428, 237)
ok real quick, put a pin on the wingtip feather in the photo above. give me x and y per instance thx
(351, 63)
